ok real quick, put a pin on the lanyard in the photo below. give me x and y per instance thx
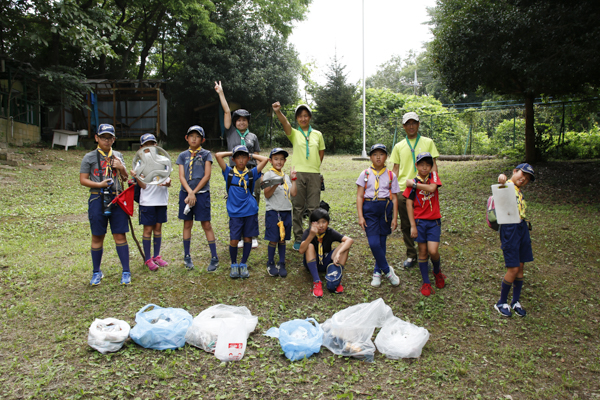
(306, 136)
(412, 149)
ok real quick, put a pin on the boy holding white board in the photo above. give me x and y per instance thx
(516, 244)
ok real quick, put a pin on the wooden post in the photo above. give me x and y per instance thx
(89, 119)
(158, 109)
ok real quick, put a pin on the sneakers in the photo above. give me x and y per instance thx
(151, 265)
(214, 264)
(244, 271)
(393, 278)
(410, 262)
(240, 244)
(272, 270)
(518, 309)
(96, 278)
(282, 270)
(187, 260)
(235, 271)
(339, 289)
(317, 289)
(376, 282)
(503, 309)
(159, 261)
(126, 278)
(426, 290)
(297, 246)
(440, 280)
(254, 243)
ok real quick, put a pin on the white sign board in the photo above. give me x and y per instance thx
(505, 201)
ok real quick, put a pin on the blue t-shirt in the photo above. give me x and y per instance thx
(197, 168)
(240, 202)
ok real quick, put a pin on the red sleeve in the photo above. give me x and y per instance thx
(406, 192)
(435, 178)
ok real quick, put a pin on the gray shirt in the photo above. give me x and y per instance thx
(89, 165)
(278, 201)
(233, 139)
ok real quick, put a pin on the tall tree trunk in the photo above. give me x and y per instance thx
(529, 129)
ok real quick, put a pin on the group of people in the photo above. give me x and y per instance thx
(414, 175)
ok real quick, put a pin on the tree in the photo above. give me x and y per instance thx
(524, 48)
(337, 113)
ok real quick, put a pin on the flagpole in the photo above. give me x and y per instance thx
(364, 151)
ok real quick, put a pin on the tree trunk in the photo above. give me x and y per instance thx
(529, 129)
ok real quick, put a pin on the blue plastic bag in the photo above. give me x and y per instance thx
(161, 328)
(298, 338)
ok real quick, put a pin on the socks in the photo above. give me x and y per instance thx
(436, 265)
(517, 286)
(378, 253)
(504, 291)
(146, 242)
(186, 246)
(157, 243)
(281, 249)
(123, 252)
(233, 250)
(424, 267)
(271, 252)
(312, 267)
(97, 258)
(213, 248)
(247, 250)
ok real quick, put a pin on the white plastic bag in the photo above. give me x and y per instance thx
(205, 328)
(108, 335)
(348, 332)
(401, 339)
(231, 344)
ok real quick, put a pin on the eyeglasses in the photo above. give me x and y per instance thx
(106, 138)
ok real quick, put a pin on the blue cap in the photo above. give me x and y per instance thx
(528, 169)
(278, 150)
(106, 128)
(333, 277)
(424, 155)
(147, 137)
(195, 128)
(378, 146)
(240, 149)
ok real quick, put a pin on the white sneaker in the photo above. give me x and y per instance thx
(240, 244)
(254, 243)
(393, 278)
(376, 282)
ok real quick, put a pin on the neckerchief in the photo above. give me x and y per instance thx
(306, 136)
(193, 156)
(412, 149)
(320, 250)
(107, 158)
(286, 188)
(520, 200)
(241, 176)
(377, 175)
(242, 136)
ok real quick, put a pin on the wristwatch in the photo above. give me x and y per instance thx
(414, 184)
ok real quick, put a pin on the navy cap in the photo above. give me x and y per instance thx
(196, 128)
(378, 146)
(528, 169)
(106, 128)
(240, 149)
(147, 137)
(278, 150)
(424, 155)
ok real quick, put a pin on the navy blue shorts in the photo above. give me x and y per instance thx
(428, 230)
(516, 244)
(375, 214)
(200, 212)
(327, 259)
(152, 215)
(272, 217)
(241, 227)
(99, 222)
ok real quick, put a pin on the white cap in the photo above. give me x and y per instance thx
(408, 116)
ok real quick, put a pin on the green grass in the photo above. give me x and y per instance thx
(47, 305)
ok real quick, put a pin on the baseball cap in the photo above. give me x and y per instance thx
(423, 155)
(278, 150)
(106, 128)
(528, 169)
(408, 116)
(333, 277)
(196, 128)
(300, 107)
(378, 146)
(240, 149)
(147, 137)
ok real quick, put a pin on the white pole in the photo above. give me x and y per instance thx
(364, 152)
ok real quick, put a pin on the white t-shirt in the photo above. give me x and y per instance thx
(154, 195)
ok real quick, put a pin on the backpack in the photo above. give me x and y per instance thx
(490, 214)
(230, 178)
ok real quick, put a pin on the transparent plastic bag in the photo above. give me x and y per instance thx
(205, 328)
(348, 332)
(231, 343)
(298, 338)
(108, 335)
(401, 339)
(161, 328)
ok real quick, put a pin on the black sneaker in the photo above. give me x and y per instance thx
(503, 309)
(519, 310)
(187, 260)
(409, 263)
(214, 264)
(282, 270)
(272, 269)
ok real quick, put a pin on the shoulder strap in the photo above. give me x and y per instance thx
(230, 178)
(391, 177)
(228, 182)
